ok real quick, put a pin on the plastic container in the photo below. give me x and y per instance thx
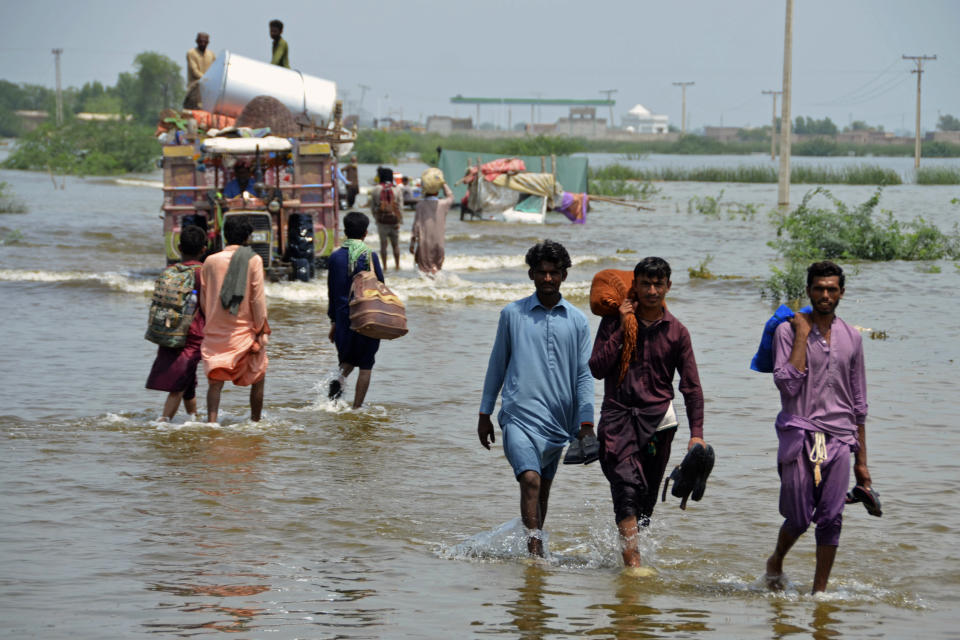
(233, 80)
(190, 306)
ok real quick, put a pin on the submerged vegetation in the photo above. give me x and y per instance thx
(860, 174)
(387, 146)
(702, 270)
(382, 147)
(938, 175)
(707, 205)
(809, 233)
(86, 148)
(813, 233)
(624, 189)
(787, 285)
(9, 203)
(710, 206)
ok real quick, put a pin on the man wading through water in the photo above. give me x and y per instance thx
(819, 370)
(637, 423)
(539, 359)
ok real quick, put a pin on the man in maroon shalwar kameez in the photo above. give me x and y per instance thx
(635, 431)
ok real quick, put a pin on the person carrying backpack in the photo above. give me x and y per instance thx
(386, 204)
(176, 325)
(354, 351)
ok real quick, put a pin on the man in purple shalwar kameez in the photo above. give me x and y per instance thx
(819, 370)
(635, 431)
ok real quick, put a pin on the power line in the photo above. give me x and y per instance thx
(853, 93)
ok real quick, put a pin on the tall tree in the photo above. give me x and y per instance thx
(156, 84)
(948, 123)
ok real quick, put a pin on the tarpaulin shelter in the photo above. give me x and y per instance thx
(571, 171)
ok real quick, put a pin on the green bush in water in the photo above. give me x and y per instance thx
(707, 205)
(86, 148)
(808, 233)
(788, 285)
(9, 203)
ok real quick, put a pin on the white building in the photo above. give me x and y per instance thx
(640, 120)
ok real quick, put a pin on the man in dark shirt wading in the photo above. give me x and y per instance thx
(636, 429)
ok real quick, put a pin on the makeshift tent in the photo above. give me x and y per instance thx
(571, 171)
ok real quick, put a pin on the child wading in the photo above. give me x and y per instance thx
(175, 368)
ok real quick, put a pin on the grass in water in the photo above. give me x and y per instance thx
(702, 271)
(938, 175)
(710, 206)
(12, 237)
(860, 174)
(707, 205)
(9, 203)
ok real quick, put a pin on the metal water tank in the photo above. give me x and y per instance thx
(233, 80)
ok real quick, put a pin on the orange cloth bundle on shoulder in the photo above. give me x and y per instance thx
(608, 290)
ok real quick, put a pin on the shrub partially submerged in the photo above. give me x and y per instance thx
(9, 203)
(86, 148)
(842, 233)
(809, 233)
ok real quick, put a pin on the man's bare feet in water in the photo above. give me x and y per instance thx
(774, 577)
(535, 546)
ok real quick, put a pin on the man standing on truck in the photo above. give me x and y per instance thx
(199, 60)
(280, 52)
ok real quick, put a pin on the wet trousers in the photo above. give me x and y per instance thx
(635, 492)
(801, 501)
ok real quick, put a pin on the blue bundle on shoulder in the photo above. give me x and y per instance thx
(763, 359)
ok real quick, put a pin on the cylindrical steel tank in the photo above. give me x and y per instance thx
(233, 80)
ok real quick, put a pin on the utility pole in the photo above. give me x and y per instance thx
(363, 91)
(773, 124)
(609, 93)
(56, 55)
(783, 188)
(919, 71)
(683, 114)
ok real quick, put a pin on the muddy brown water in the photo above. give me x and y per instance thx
(393, 522)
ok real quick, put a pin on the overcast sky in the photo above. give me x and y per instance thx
(416, 54)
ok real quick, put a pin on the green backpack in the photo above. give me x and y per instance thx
(173, 306)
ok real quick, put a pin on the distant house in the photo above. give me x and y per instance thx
(30, 120)
(445, 125)
(944, 136)
(641, 120)
(865, 136)
(723, 134)
(582, 122)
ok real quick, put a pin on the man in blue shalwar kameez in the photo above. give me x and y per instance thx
(540, 360)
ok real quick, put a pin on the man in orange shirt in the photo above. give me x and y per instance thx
(235, 307)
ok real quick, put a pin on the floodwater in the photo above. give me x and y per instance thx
(393, 521)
